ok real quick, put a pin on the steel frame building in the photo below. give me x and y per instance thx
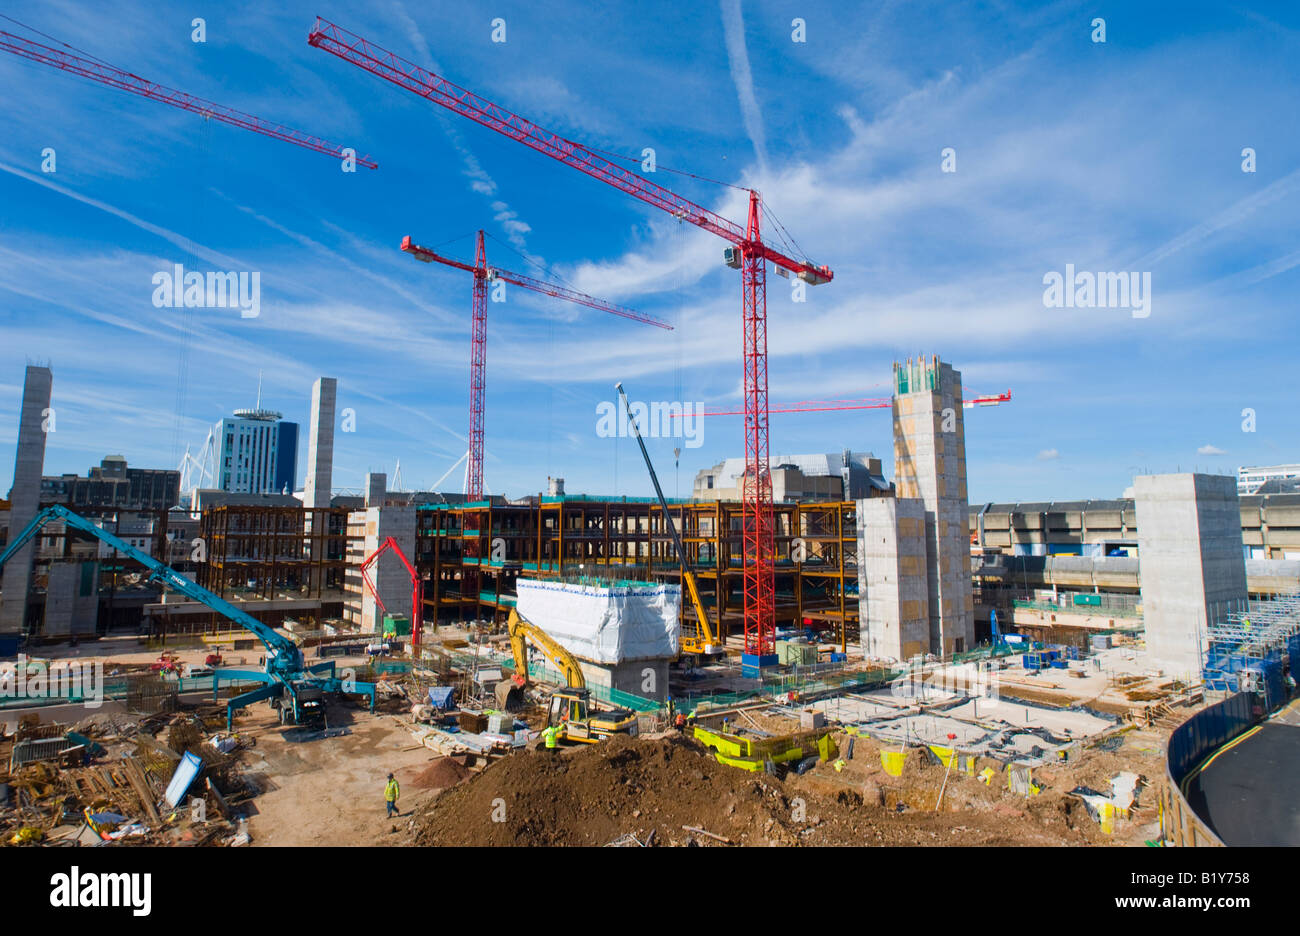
(571, 536)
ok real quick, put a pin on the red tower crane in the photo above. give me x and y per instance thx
(484, 274)
(125, 81)
(749, 254)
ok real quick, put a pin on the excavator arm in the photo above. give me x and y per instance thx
(522, 631)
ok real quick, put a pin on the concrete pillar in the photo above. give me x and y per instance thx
(320, 469)
(320, 443)
(376, 488)
(893, 594)
(1190, 563)
(930, 464)
(25, 496)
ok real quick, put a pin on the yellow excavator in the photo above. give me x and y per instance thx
(702, 640)
(571, 707)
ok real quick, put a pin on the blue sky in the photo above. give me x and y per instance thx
(1122, 156)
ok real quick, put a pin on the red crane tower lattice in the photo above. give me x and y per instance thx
(749, 253)
(483, 275)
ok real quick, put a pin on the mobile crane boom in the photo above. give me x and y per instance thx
(704, 642)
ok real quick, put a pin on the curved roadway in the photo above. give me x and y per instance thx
(1246, 791)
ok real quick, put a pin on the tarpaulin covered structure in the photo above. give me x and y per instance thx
(605, 623)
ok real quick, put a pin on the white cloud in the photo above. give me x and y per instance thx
(1049, 455)
(1210, 450)
(733, 23)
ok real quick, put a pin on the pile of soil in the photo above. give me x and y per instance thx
(594, 795)
(442, 774)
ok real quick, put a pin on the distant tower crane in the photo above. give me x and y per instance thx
(107, 74)
(822, 406)
(483, 275)
(748, 253)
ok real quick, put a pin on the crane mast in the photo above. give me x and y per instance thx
(749, 253)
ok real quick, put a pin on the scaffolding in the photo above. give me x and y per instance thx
(1253, 649)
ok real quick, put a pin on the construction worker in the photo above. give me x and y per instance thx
(391, 792)
(680, 723)
(551, 733)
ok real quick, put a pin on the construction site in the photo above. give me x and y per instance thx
(823, 649)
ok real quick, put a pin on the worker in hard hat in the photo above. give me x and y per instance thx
(391, 792)
(551, 735)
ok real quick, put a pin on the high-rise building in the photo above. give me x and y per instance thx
(257, 452)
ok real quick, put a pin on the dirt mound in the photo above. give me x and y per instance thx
(442, 774)
(594, 795)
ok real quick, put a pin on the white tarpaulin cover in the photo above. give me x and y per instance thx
(605, 623)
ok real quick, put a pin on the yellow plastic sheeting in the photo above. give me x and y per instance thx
(945, 754)
(777, 749)
(892, 762)
(827, 748)
(756, 763)
(1107, 814)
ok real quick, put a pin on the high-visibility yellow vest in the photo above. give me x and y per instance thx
(390, 791)
(552, 735)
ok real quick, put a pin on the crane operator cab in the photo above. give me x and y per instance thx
(582, 722)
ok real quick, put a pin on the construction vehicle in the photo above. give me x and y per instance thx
(702, 640)
(571, 707)
(417, 589)
(289, 683)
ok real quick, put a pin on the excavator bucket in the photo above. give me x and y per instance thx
(510, 697)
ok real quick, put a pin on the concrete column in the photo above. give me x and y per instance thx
(320, 443)
(930, 464)
(25, 496)
(1190, 562)
(893, 596)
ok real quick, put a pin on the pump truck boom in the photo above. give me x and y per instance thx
(570, 707)
(703, 641)
(292, 687)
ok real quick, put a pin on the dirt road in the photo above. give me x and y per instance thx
(330, 791)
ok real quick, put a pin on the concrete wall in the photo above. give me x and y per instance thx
(29, 465)
(67, 610)
(320, 443)
(893, 595)
(1190, 562)
(629, 676)
(930, 464)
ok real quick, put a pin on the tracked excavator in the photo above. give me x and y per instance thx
(570, 707)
